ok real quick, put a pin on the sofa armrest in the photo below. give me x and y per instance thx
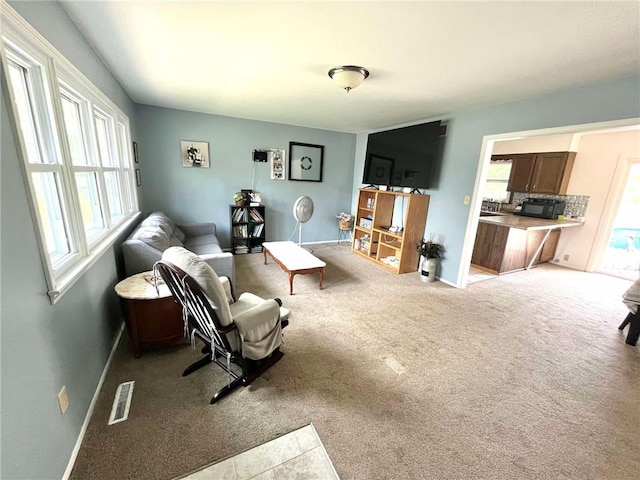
(222, 263)
(197, 229)
(139, 257)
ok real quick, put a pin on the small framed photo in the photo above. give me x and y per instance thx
(135, 152)
(305, 162)
(138, 179)
(195, 154)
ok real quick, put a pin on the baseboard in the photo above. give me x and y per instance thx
(83, 430)
(447, 282)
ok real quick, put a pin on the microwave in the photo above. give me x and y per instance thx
(543, 208)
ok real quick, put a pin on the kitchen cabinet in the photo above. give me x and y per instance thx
(539, 172)
(509, 243)
(500, 248)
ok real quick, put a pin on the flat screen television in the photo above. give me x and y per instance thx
(404, 157)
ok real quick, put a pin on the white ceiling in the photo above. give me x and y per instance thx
(269, 60)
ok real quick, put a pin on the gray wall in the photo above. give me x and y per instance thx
(204, 194)
(448, 216)
(44, 346)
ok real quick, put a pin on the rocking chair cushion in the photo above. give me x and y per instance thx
(258, 323)
(205, 277)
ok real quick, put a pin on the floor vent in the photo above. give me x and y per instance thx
(122, 402)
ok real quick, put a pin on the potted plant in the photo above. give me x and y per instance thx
(429, 252)
(240, 198)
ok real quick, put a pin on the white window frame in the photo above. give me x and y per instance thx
(52, 75)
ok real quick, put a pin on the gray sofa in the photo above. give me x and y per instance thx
(157, 232)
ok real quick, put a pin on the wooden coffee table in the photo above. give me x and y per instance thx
(294, 260)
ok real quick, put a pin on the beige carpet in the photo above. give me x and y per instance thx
(523, 376)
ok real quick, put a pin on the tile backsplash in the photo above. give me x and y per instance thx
(576, 204)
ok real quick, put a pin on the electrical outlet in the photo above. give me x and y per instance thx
(63, 400)
(566, 258)
(467, 200)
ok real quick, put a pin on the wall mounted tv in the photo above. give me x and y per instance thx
(404, 157)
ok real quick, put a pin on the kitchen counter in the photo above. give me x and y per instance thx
(528, 223)
(509, 242)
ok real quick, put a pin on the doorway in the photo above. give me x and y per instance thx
(621, 255)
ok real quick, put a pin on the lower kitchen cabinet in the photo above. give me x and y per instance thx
(504, 249)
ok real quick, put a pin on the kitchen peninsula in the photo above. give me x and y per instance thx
(510, 242)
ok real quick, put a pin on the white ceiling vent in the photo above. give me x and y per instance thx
(121, 403)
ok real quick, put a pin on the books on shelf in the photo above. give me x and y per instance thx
(240, 231)
(255, 215)
(239, 215)
(257, 230)
(240, 249)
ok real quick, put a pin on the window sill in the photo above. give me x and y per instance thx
(66, 281)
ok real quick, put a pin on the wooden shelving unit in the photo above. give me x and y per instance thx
(372, 239)
(247, 228)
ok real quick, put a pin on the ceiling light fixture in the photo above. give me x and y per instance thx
(348, 76)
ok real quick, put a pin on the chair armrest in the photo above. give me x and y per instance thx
(197, 229)
(267, 312)
(228, 289)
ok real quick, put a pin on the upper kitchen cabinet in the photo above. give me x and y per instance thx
(539, 172)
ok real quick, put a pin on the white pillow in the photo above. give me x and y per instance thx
(204, 276)
(154, 237)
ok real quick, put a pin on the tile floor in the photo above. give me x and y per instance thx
(478, 275)
(299, 454)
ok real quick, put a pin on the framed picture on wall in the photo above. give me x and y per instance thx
(305, 162)
(195, 154)
(135, 152)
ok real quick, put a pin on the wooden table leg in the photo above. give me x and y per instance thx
(321, 278)
(291, 275)
(264, 252)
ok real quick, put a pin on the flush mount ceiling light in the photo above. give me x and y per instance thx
(348, 76)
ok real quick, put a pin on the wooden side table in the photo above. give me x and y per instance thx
(152, 319)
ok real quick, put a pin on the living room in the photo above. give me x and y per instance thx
(46, 346)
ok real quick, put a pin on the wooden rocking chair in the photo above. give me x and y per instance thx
(246, 332)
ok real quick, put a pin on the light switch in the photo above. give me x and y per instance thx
(467, 200)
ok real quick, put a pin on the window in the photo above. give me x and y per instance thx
(495, 187)
(75, 147)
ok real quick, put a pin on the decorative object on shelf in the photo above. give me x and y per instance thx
(344, 220)
(429, 253)
(348, 77)
(305, 162)
(277, 164)
(255, 198)
(240, 198)
(195, 154)
(135, 152)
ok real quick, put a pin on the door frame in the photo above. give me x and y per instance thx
(486, 149)
(611, 206)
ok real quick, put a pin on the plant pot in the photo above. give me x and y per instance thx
(240, 203)
(427, 269)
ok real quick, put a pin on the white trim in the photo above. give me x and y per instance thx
(483, 163)
(610, 212)
(66, 281)
(87, 418)
(55, 73)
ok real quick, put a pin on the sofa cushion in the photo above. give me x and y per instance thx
(179, 233)
(159, 219)
(201, 240)
(206, 249)
(154, 237)
(175, 241)
(204, 276)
